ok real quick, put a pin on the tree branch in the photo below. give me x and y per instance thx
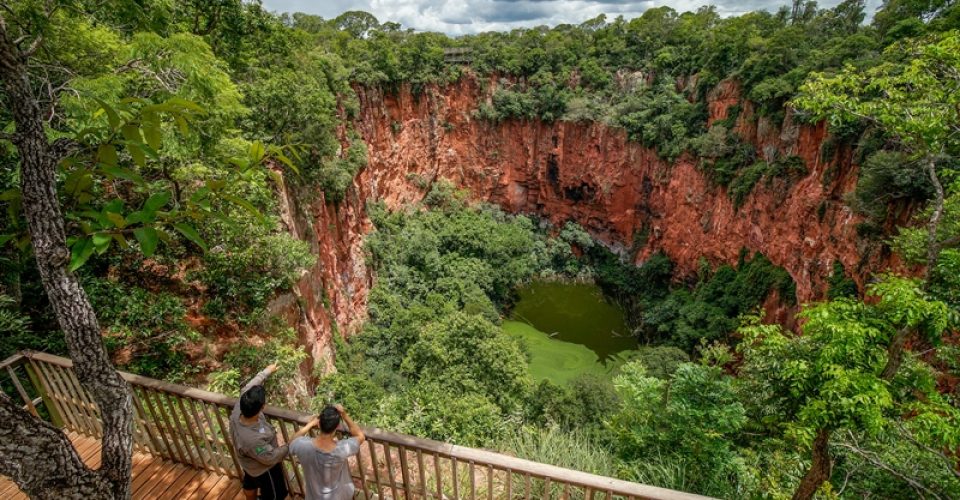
(950, 242)
(948, 461)
(63, 147)
(32, 49)
(876, 462)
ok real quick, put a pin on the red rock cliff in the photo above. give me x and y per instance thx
(588, 173)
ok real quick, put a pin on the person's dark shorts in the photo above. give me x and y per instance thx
(271, 484)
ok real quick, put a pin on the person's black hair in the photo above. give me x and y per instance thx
(329, 420)
(252, 401)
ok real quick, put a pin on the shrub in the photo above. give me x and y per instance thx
(743, 184)
(692, 418)
(434, 412)
(839, 284)
(16, 333)
(148, 328)
(249, 356)
(660, 117)
(245, 275)
(887, 178)
(660, 361)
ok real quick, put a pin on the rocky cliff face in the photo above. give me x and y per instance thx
(589, 173)
(330, 297)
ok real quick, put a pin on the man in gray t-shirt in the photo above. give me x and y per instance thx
(326, 470)
(257, 449)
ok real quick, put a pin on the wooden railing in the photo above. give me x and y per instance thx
(190, 426)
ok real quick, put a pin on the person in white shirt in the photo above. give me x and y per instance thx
(324, 459)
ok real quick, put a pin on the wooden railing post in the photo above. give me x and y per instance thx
(53, 408)
(20, 390)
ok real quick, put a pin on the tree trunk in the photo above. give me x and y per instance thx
(895, 354)
(38, 163)
(41, 460)
(819, 470)
(933, 225)
(899, 341)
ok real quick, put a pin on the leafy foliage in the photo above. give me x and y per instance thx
(683, 317)
(691, 416)
(887, 178)
(145, 330)
(831, 377)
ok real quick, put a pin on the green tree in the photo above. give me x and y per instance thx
(692, 416)
(469, 355)
(68, 149)
(914, 97)
(833, 376)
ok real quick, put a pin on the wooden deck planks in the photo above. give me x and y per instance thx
(153, 477)
(232, 491)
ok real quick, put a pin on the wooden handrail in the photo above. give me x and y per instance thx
(170, 424)
(13, 361)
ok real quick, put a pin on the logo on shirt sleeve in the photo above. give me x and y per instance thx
(260, 450)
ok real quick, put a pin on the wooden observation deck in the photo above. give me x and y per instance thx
(182, 448)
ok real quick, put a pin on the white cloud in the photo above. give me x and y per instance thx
(458, 17)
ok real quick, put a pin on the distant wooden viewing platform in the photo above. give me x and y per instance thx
(182, 448)
(458, 55)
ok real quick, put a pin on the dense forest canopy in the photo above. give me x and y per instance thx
(166, 128)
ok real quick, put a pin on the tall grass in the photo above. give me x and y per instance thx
(555, 446)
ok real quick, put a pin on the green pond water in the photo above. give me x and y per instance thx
(571, 329)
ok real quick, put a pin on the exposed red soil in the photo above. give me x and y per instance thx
(586, 172)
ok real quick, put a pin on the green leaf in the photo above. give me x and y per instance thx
(227, 221)
(4, 238)
(216, 185)
(107, 154)
(246, 205)
(97, 216)
(116, 219)
(165, 236)
(131, 133)
(112, 115)
(157, 201)
(123, 173)
(78, 182)
(181, 124)
(181, 103)
(10, 195)
(148, 238)
(257, 151)
(24, 242)
(115, 205)
(200, 194)
(191, 234)
(80, 252)
(101, 241)
(121, 240)
(138, 217)
(136, 152)
(286, 161)
(150, 151)
(151, 129)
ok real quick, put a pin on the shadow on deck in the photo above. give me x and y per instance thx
(153, 477)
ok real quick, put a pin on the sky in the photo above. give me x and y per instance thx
(458, 17)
